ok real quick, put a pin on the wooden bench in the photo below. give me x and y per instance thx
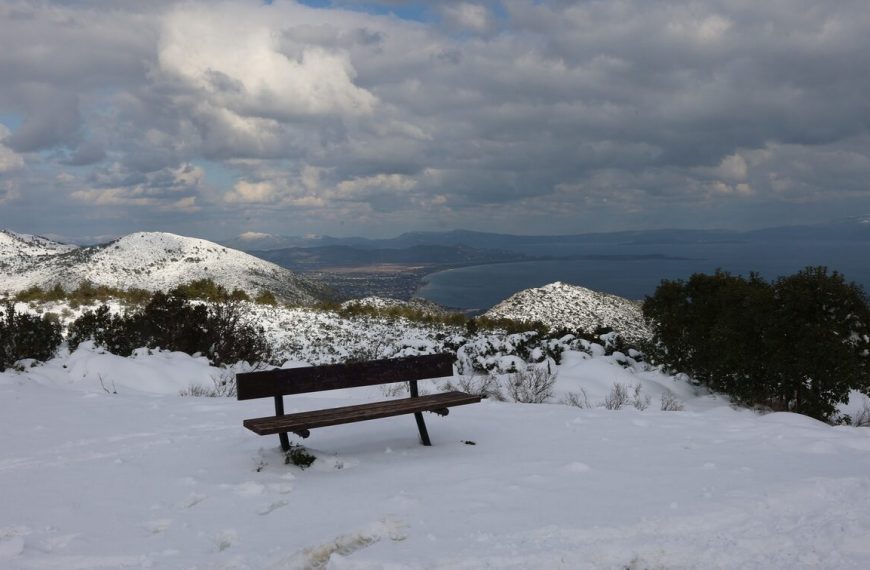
(284, 382)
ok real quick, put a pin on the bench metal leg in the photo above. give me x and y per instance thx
(421, 425)
(279, 411)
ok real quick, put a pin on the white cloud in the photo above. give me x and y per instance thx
(167, 189)
(9, 159)
(8, 192)
(392, 183)
(236, 58)
(245, 192)
(734, 167)
(253, 236)
(467, 15)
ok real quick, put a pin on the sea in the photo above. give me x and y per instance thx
(634, 271)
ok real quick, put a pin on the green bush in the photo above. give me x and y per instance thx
(26, 336)
(266, 298)
(106, 330)
(174, 322)
(86, 293)
(800, 343)
(208, 290)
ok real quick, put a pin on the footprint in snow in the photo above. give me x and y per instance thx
(318, 557)
(226, 539)
(52, 543)
(577, 467)
(250, 489)
(191, 501)
(281, 488)
(158, 526)
(272, 507)
(334, 463)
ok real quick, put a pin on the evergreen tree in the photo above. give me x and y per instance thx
(800, 343)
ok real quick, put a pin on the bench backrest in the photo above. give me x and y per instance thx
(284, 382)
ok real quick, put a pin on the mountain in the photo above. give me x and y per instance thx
(560, 305)
(853, 228)
(152, 261)
(24, 246)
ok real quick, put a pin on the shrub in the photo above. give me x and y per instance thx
(208, 290)
(480, 384)
(174, 322)
(105, 329)
(26, 336)
(222, 387)
(799, 343)
(670, 403)
(299, 456)
(617, 397)
(534, 385)
(862, 417)
(640, 401)
(266, 298)
(577, 399)
(86, 293)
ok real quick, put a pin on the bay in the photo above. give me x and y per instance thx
(635, 271)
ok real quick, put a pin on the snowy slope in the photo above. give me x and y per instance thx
(143, 478)
(23, 246)
(153, 261)
(385, 304)
(562, 305)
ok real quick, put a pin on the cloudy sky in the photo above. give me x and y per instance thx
(374, 118)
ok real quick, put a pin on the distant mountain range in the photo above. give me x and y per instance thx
(856, 228)
(151, 261)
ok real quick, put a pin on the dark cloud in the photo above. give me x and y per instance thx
(52, 119)
(85, 154)
(556, 116)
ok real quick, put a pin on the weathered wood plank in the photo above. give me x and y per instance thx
(290, 381)
(360, 412)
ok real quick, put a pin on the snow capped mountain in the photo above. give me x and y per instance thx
(145, 260)
(27, 246)
(561, 305)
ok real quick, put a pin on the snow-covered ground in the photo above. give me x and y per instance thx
(104, 465)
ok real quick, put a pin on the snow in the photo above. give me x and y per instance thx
(560, 305)
(104, 465)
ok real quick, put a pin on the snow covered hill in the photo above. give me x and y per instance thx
(145, 260)
(23, 246)
(562, 305)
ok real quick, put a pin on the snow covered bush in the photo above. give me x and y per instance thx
(577, 399)
(172, 322)
(534, 385)
(670, 403)
(640, 401)
(104, 328)
(479, 384)
(617, 397)
(26, 336)
(862, 417)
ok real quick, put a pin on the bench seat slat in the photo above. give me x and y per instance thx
(348, 414)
